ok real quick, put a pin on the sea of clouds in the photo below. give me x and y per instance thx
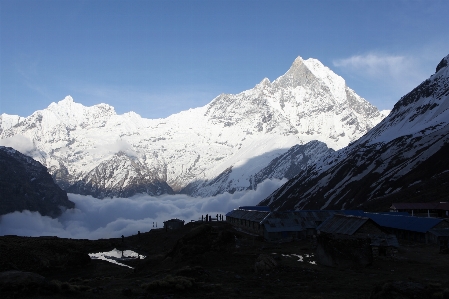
(93, 218)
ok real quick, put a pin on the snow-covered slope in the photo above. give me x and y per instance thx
(93, 150)
(9, 121)
(387, 159)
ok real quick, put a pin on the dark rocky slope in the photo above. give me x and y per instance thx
(26, 185)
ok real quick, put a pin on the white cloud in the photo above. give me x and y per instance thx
(112, 217)
(375, 64)
(383, 78)
(113, 148)
(18, 142)
(403, 72)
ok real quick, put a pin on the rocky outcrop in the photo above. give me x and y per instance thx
(443, 63)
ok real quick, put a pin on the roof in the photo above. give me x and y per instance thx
(421, 206)
(256, 208)
(175, 220)
(256, 216)
(296, 220)
(282, 222)
(363, 214)
(311, 218)
(285, 221)
(440, 232)
(343, 224)
(410, 223)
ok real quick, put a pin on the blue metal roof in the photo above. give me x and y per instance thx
(410, 223)
(395, 213)
(363, 214)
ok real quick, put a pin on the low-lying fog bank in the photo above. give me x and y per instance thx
(112, 217)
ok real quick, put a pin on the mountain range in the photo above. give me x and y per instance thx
(274, 130)
(404, 157)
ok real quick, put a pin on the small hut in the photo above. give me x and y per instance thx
(440, 236)
(173, 224)
(345, 240)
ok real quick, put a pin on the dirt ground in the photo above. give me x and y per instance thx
(210, 261)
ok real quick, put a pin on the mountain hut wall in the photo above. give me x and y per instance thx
(247, 220)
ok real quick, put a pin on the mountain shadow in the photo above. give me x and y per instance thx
(276, 164)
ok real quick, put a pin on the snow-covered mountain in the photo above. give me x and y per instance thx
(221, 147)
(408, 148)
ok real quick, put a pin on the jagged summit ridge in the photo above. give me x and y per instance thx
(408, 148)
(71, 113)
(243, 132)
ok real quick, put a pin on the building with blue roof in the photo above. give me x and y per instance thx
(278, 226)
(408, 227)
(347, 229)
(291, 225)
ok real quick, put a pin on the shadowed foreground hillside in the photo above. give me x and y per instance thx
(210, 261)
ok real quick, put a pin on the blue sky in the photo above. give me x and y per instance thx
(161, 57)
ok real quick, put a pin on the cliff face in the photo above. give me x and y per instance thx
(26, 185)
